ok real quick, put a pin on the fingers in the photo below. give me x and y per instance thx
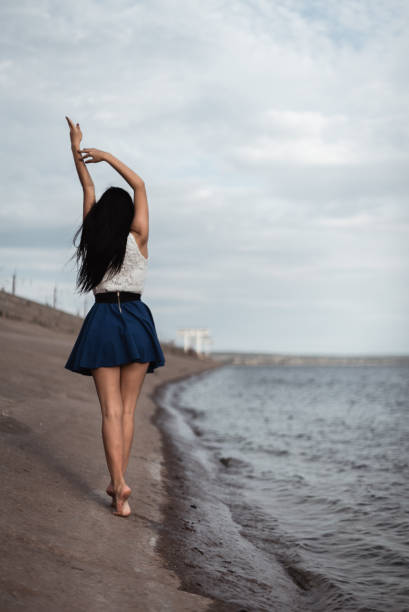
(86, 153)
(71, 124)
(87, 158)
(83, 155)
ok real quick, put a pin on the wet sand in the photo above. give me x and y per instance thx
(62, 549)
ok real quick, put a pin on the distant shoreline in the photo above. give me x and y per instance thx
(254, 359)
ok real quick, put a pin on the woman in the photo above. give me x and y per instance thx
(117, 344)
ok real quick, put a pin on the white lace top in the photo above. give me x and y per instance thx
(131, 276)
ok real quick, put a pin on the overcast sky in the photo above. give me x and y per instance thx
(273, 140)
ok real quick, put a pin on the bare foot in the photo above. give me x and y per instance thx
(121, 503)
(110, 491)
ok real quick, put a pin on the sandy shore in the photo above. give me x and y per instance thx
(62, 549)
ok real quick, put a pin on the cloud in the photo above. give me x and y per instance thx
(312, 138)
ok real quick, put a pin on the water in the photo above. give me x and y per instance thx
(312, 464)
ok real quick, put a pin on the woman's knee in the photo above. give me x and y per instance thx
(129, 405)
(111, 411)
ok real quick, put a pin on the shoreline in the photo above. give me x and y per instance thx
(62, 547)
(179, 519)
(203, 540)
(192, 542)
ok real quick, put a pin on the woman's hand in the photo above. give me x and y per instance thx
(92, 156)
(75, 133)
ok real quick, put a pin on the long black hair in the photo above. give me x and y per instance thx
(104, 232)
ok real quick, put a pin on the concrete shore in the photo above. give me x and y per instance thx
(62, 548)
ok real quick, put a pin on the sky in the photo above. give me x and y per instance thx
(273, 140)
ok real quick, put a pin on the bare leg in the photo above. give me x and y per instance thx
(107, 383)
(131, 380)
(132, 377)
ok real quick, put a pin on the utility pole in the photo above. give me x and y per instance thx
(55, 297)
(13, 287)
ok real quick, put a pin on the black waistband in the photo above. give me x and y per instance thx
(113, 296)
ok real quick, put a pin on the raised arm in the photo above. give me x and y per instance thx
(83, 174)
(140, 222)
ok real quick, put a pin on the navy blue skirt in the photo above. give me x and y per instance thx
(109, 337)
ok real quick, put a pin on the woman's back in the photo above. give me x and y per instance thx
(132, 274)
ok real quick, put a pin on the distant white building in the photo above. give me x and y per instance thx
(199, 336)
